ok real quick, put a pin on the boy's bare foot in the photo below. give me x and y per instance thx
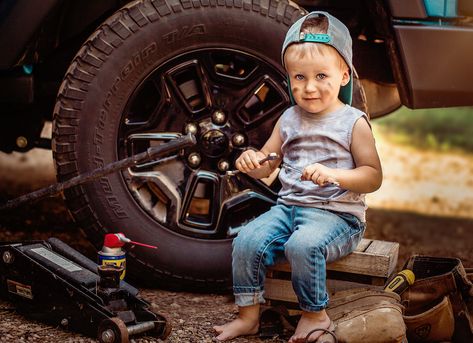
(237, 327)
(308, 322)
(247, 323)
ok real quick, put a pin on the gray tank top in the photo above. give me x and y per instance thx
(326, 139)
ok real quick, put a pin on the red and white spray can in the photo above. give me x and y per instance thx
(112, 252)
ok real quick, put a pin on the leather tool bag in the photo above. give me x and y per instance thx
(364, 315)
(436, 324)
(437, 304)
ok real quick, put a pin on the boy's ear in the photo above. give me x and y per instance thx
(345, 77)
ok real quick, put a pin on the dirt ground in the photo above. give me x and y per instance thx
(425, 204)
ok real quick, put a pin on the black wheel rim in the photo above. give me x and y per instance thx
(231, 101)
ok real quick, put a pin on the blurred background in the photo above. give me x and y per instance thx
(427, 161)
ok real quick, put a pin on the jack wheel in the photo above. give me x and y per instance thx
(163, 327)
(112, 331)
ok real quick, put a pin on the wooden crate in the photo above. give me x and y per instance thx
(369, 266)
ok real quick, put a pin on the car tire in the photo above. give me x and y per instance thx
(105, 97)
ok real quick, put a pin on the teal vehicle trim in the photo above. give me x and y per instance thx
(28, 69)
(441, 8)
(432, 23)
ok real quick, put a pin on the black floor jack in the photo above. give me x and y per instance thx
(52, 282)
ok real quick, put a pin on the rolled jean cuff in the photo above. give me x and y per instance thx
(248, 299)
(313, 308)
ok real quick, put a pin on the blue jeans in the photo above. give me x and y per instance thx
(307, 237)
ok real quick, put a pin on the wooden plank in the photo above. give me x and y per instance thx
(368, 267)
(378, 259)
(281, 267)
(362, 263)
(364, 243)
(375, 258)
(276, 289)
(380, 247)
(342, 285)
(362, 246)
(384, 248)
(281, 290)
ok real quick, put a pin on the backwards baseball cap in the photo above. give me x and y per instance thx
(337, 36)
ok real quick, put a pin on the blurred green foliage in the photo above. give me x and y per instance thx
(440, 129)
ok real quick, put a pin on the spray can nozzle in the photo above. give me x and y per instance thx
(118, 240)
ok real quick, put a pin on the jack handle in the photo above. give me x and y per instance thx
(150, 154)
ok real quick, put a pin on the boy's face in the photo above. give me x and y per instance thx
(316, 80)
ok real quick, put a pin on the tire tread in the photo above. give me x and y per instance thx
(81, 74)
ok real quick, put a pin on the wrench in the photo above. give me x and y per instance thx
(287, 166)
(274, 156)
(270, 157)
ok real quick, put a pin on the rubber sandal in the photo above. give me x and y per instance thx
(327, 337)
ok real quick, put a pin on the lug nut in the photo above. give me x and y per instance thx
(223, 165)
(194, 159)
(8, 257)
(191, 128)
(219, 117)
(21, 142)
(238, 139)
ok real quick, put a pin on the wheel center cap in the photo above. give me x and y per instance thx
(214, 143)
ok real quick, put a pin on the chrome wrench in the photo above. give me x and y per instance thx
(270, 157)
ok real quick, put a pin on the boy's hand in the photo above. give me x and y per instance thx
(249, 160)
(319, 174)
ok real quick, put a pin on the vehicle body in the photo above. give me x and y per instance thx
(117, 77)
